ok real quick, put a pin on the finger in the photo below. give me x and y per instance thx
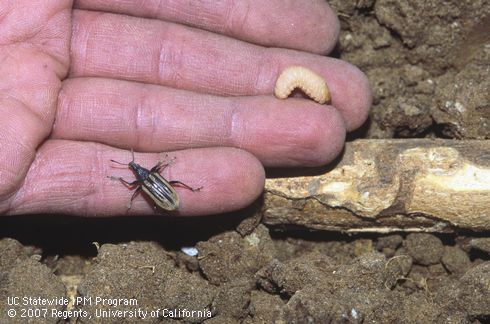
(293, 132)
(181, 57)
(304, 25)
(69, 177)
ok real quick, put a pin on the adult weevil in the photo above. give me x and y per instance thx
(153, 185)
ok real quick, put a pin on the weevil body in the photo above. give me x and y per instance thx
(154, 185)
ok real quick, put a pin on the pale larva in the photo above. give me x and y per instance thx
(308, 81)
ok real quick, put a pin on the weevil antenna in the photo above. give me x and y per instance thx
(118, 162)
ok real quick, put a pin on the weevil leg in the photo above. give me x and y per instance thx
(127, 184)
(170, 161)
(135, 193)
(184, 185)
(161, 165)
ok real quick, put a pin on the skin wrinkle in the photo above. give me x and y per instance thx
(159, 7)
(235, 137)
(21, 38)
(6, 51)
(5, 13)
(95, 181)
(194, 132)
(18, 199)
(25, 149)
(169, 63)
(7, 198)
(263, 74)
(81, 42)
(45, 167)
(42, 46)
(59, 102)
(161, 63)
(236, 17)
(22, 100)
(138, 129)
(216, 131)
(17, 195)
(153, 123)
(147, 116)
(227, 124)
(181, 140)
(212, 14)
(48, 116)
(74, 107)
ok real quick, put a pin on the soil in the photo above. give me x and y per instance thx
(429, 66)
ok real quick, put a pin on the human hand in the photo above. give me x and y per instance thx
(81, 87)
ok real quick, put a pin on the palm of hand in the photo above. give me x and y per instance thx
(35, 58)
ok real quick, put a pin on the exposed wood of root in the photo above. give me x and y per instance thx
(390, 185)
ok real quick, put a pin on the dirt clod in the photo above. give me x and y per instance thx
(455, 260)
(233, 298)
(475, 291)
(241, 257)
(481, 243)
(424, 248)
(145, 272)
(27, 278)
